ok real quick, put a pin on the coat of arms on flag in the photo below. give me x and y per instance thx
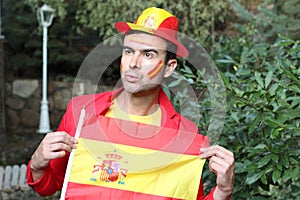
(109, 168)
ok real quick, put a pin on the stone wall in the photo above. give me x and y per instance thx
(22, 106)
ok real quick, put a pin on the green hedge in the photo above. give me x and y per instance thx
(263, 106)
(262, 125)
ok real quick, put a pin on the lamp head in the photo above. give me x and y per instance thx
(45, 15)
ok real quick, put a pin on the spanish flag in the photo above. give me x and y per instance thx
(118, 159)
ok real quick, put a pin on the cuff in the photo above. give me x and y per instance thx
(210, 195)
(42, 183)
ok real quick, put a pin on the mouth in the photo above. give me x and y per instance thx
(131, 77)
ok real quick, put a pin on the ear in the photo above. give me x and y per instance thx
(170, 67)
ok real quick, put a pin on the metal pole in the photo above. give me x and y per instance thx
(44, 117)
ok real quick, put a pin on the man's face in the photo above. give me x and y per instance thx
(142, 63)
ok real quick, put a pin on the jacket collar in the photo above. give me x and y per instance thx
(168, 111)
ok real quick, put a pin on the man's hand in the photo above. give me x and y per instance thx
(53, 146)
(221, 162)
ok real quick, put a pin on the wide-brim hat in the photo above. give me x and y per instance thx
(158, 22)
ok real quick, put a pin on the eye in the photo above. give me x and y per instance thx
(149, 54)
(127, 51)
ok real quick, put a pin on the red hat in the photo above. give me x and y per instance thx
(158, 22)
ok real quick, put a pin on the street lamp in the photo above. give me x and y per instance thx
(45, 16)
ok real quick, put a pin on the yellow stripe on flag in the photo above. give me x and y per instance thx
(136, 169)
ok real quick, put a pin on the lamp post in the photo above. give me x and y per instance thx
(45, 17)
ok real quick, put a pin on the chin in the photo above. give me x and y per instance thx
(145, 89)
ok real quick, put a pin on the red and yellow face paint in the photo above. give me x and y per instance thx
(155, 71)
(140, 41)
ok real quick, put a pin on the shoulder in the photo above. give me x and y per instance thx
(91, 102)
(91, 99)
(187, 124)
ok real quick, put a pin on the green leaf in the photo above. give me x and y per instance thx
(188, 70)
(268, 78)
(174, 83)
(254, 177)
(274, 123)
(259, 79)
(284, 161)
(244, 71)
(239, 167)
(275, 133)
(287, 174)
(255, 123)
(295, 173)
(274, 157)
(260, 146)
(264, 179)
(273, 89)
(234, 116)
(290, 74)
(265, 160)
(225, 80)
(276, 176)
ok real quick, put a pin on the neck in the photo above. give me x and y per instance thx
(142, 104)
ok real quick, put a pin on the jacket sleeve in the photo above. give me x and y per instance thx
(53, 177)
(201, 195)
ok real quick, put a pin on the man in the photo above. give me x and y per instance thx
(149, 54)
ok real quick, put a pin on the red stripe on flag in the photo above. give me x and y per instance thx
(144, 136)
(81, 191)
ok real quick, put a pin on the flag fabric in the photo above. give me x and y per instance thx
(118, 159)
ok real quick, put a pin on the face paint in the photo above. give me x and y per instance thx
(153, 73)
(141, 41)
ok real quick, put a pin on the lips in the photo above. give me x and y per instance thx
(131, 77)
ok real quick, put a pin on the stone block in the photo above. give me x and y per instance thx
(34, 104)
(15, 103)
(24, 88)
(30, 118)
(13, 119)
(62, 98)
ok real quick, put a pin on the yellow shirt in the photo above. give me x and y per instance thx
(115, 111)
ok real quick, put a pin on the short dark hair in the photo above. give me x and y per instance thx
(171, 47)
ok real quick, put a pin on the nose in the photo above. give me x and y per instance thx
(135, 61)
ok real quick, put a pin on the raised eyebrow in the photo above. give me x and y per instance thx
(142, 50)
(150, 50)
(127, 47)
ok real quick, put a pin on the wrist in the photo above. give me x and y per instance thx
(36, 172)
(35, 165)
(222, 194)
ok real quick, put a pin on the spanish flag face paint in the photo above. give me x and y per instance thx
(140, 41)
(155, 71)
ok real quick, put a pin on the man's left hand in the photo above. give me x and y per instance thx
(221, 162)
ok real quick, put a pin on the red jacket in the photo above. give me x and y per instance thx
(98, 104)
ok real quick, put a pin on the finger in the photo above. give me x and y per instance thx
(219, 165)
(60, 146)
(215, 150)
(224, 172)
(60, 137)
(55, 155)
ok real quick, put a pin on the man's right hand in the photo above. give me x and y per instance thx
(53, 146)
